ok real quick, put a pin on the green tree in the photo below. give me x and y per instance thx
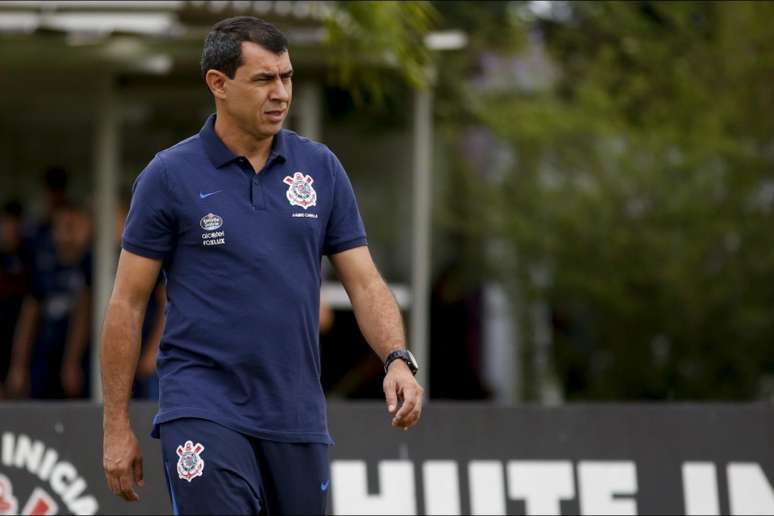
(642, 189)
(369, 41)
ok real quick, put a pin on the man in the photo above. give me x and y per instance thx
(239, 217)
(38, 234)
(14, 277)
(49, 358)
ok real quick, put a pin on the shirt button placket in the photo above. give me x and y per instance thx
(256, 190)
(259, 203)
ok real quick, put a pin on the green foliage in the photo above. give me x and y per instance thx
(643, 182)
(365, 37)
(489, 25)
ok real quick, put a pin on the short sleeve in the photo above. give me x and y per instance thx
(151, 227)
(345, 228)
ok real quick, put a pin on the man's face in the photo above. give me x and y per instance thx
(259, 95)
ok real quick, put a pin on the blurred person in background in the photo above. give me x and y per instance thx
(14, 279)
(456, 306)
(49, 359)
(38, 232)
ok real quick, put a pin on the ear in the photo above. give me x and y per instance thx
(216, 82)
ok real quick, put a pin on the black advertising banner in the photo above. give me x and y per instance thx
(593, 459)
(461, 459)
(51, 461)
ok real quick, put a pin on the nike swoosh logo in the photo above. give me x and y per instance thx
(205, 195)
(324, 485)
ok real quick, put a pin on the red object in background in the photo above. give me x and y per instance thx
(8, 504)
(40, 508)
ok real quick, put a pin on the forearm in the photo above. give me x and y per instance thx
(380, 321)
(25, 334)
(378, 317)
(120, 349)
(154, 339)
(78, 334)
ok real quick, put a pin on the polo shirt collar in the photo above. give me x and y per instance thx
(220, 155)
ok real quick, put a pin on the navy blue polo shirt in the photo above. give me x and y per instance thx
(242, 253)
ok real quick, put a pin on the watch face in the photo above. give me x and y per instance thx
(412, 362)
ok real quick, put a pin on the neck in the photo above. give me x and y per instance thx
(240, 142)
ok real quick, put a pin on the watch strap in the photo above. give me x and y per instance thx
(404, 355)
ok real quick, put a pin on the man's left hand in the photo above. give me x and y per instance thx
(403, 395)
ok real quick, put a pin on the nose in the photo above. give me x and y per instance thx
(280, 91)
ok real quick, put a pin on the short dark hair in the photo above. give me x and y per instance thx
(55, 178)
(223, 45)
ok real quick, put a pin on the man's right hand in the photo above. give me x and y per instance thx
(122, 462)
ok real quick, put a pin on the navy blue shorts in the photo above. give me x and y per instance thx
(211, 469)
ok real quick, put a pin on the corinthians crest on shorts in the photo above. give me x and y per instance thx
(300, 191)
(190, 464)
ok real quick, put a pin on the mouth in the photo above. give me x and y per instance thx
(276, 115)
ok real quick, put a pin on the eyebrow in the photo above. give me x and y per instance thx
(270, 76)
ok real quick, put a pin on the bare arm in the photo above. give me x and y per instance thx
(121, 334)
(77, 339)
(375, 307)
(17, 383)
(380, 321)
(326, 316)
(148, 359)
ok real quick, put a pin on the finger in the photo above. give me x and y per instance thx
(409, 402)
(413, 418)
(138, 472)
(111, 478)
(127, 488)
(113, 484)
(418, 408)
(414, 410)
(391, 396)
(130, 495)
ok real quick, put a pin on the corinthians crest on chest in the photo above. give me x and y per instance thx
(300, 190)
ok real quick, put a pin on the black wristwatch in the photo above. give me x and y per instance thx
(406, 356)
